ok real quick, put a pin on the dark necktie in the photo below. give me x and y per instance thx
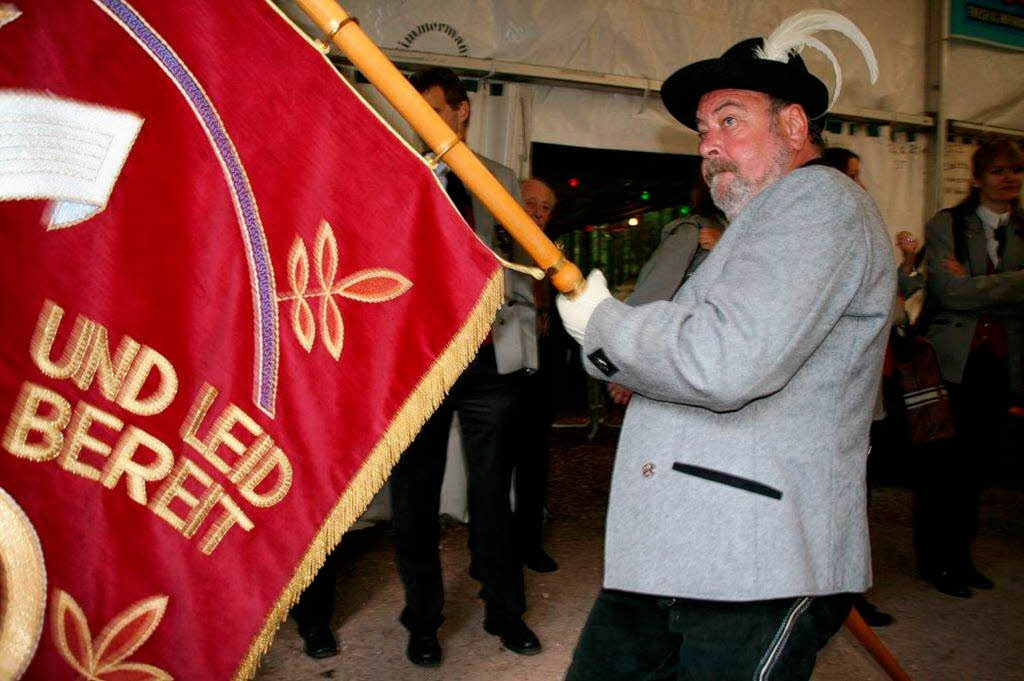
(1000, 236)
(460, 197)
(464, 202)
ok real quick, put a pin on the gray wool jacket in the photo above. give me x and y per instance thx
(740, 470)
(515, 325)
(956, 303)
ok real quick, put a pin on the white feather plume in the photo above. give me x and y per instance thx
(797, 31)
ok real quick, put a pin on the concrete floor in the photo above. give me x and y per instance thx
(935, 637)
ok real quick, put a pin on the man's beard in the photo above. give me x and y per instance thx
(731, 197)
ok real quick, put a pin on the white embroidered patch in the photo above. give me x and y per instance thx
(8, 12)
(60, 149)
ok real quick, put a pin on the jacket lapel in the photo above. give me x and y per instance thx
(977, 245)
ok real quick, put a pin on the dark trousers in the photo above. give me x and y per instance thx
(485, 402)
(315, 606)
(635, 637)
(536, 415)
(951, 474)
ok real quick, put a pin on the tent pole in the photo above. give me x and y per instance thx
(940, 36)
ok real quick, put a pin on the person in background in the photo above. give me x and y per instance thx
(976, 325)
(910, 277)
(538, 406)
(485, 396)
(313, 613)
(845, 161)
(848, 163)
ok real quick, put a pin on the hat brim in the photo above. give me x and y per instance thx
(682, 91)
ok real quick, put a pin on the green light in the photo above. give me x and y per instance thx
(644, 195)
(685, 210)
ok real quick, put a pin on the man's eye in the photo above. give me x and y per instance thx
(728, 121)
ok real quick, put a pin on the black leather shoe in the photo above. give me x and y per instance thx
(976, 580)
(870, 614)
(540, 561)
(950, 584)
(318, 642)
(424, 650)
(515, 637)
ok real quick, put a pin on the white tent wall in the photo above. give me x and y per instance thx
(895, 171)
(985, 85)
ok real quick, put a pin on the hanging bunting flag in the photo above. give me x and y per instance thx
(230, 297)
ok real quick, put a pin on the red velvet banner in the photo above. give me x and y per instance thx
(230, 297)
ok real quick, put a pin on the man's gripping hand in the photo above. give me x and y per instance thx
(576, 313)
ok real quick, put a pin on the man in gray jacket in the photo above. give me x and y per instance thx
(736, 528)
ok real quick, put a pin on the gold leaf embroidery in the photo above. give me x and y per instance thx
(333, 326)
(302, 322)
(298, 267)
(326, 249)
(373, 286)
(367, 286)
(127, 631)
(302, 314)
(71, 633)
(120, 638)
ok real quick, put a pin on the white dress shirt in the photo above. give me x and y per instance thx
(991, 220)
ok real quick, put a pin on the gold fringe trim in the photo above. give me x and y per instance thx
(374, 472)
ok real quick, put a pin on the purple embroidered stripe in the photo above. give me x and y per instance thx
(265, 307)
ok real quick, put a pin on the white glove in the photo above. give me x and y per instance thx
(576, 313)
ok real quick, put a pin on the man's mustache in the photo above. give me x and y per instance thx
(714, 166)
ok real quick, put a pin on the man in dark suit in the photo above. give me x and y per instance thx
(485, 396)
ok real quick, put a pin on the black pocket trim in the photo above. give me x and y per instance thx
(726, 479)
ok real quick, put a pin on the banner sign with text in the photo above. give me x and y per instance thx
(230, 298)
(998, 22)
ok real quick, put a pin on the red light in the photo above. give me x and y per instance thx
(574, 182)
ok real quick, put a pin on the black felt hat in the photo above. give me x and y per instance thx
(739, 68)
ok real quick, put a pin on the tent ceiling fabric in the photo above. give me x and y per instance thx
(651, 38)
(585, 118)
(991, 78)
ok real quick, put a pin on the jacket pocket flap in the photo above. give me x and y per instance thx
(727, 479)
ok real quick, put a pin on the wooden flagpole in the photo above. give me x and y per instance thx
(860, 629)
(345, 32)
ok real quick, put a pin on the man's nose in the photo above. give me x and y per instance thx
(709, 145)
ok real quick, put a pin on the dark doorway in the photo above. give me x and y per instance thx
(603, 186)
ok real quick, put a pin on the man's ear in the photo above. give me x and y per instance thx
(794, 126)
(462, 111)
